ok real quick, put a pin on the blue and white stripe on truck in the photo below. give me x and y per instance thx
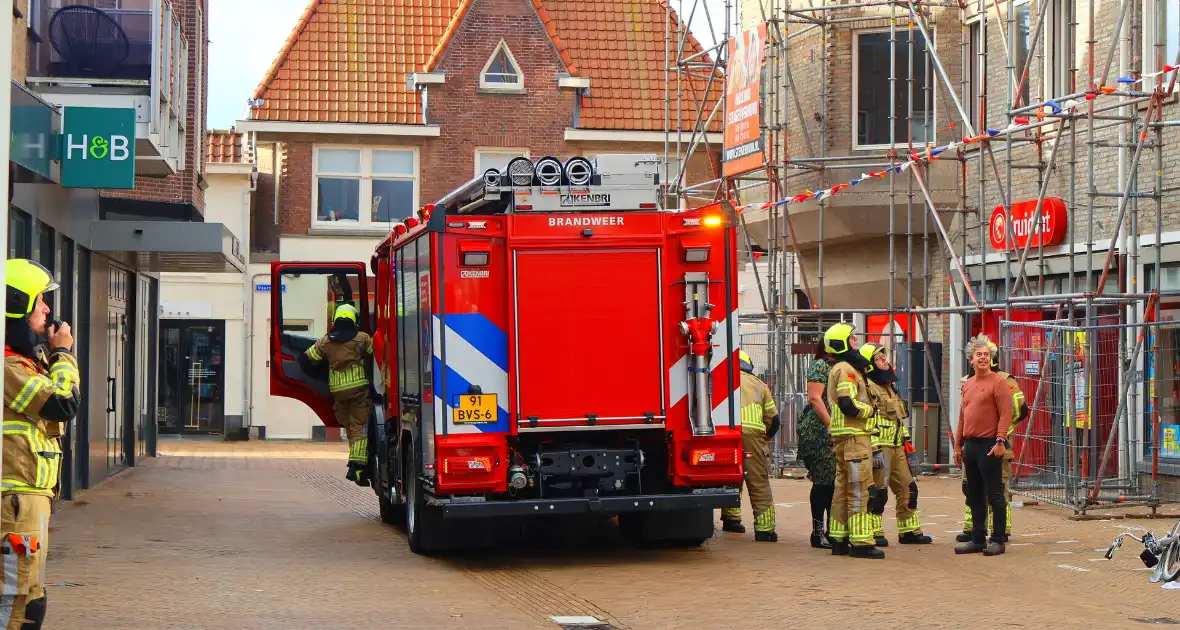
(476, 354)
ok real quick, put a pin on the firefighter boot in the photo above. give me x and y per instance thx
(963, 537)
(733, 526)
(839, 547)
(914, 538)
(765, 537)
(880, 541)
(871, 553)
(358, 473)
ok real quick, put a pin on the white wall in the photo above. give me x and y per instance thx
(218, 296)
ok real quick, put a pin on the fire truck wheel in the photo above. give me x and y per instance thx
(424, 525)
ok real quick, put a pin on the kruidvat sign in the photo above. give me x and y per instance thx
(1048, 232)
(98, 148)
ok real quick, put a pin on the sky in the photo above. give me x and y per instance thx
(245, 36)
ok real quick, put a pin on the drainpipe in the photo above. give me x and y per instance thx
(247, 307)
(249, 408)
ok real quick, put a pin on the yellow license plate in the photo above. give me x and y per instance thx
(475, 409)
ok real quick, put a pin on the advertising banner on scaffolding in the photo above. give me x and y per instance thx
(744, 147)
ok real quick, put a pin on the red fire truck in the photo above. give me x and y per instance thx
(551, 341)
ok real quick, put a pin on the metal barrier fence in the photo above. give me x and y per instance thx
(784, 373)
(1096, 430)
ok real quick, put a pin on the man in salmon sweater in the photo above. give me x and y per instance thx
(979, 447)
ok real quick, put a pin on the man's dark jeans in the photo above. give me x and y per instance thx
(985, 488)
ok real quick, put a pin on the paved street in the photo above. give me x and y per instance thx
(267, 535)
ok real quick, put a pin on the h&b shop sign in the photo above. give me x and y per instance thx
(98, 147)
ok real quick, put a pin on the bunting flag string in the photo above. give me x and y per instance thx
(1048, 109)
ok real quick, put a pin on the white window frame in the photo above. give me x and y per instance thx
(490, 150)
(484, 84)
(365, 210)
(901, 69)
(1152, 31)
(1060, 54)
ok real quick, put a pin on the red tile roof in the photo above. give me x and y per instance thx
(226, 147)
(347, 60)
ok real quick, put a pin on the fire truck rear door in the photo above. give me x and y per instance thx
(303, 297)
(588, 338)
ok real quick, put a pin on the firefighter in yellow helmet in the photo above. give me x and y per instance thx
(41, 395)
(1019, 414)
(851, 529)
(890, 438)
(760, 422)
(346, 348)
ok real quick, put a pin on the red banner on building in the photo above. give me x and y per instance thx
(1051, 230)
(744, 147)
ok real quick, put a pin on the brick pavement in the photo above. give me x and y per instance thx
(267, 535)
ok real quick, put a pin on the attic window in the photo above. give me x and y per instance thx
(501, 71)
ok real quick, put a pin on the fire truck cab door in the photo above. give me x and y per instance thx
(303, 297)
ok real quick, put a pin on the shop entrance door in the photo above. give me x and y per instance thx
(192, 377)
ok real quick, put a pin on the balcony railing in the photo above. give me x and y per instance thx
(126, 47)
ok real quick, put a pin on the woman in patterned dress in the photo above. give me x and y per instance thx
(815, 447)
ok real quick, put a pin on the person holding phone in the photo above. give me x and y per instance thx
(42, 393)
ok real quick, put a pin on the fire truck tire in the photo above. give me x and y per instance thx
(424, 524)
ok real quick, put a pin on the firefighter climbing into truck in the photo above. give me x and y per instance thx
(551, 340)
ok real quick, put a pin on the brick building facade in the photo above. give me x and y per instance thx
(451, 116)
(107, 248)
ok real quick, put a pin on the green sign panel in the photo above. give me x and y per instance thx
(98, 148)
(33, 135)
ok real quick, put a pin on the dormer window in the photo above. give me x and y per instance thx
(501, 71)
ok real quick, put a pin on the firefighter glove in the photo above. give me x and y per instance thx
(877, 499)
(964, 486)
(913, 505)
(774, 426)
(878, 460)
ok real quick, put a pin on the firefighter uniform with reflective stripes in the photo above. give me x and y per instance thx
(850, 504)
(345, 350)
(889, 437)
(41, 395)
(759, 422)
(1019, 410)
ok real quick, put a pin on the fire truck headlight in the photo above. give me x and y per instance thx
(696, 254)
(475, 259)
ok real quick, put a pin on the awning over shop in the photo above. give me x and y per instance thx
(170, 246)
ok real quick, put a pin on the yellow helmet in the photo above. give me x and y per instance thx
(345, 311)
(26, 279)
(868, 351)
(742, 356)
(995, 350)
(836, 338)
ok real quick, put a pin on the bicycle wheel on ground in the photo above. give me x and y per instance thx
(1170, 558)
